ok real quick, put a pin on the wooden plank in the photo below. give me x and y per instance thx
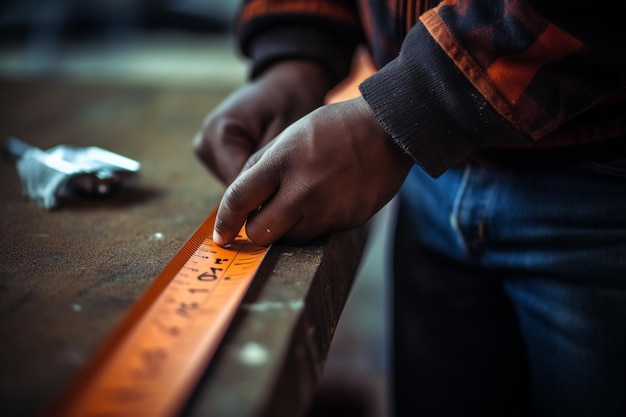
(274, 355)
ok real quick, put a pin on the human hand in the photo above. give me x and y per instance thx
(256, 113)
(329, 171)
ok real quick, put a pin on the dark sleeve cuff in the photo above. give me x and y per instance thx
(431, 109)
(279, 44)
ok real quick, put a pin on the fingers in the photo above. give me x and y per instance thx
(223, 146)
(253, 115)
(274, 219)
(241, 198)
(252, 189)
(261, 198)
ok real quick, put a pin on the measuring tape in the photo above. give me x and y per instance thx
(153, 360)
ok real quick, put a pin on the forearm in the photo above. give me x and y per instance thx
(489, 76)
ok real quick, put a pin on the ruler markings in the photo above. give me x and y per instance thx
(151, 363)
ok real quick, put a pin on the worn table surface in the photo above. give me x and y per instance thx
(67, 276)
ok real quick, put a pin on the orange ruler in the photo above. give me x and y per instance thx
(155, 357)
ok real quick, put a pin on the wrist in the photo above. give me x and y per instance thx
(373, 127)
(303, 73)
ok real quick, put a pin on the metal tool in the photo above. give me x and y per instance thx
(64, 171)
(151, 363)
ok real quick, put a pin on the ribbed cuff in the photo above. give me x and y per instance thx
(430, 109)
(274, 45)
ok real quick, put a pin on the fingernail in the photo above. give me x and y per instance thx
(217, 238)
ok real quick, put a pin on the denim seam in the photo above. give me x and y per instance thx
(483, 219)
(455, 215)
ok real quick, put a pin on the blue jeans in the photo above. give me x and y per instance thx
(510, 292)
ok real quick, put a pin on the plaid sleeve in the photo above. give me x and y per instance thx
(479, 74)
(325, 31)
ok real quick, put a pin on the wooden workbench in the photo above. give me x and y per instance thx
(67, 276)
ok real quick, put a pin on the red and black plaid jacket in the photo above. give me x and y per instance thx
(460, 78)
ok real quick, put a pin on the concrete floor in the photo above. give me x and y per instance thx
(355, 378)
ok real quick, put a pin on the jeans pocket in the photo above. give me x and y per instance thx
(614, 167)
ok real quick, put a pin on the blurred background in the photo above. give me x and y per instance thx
(134, 41)
(189, 43)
